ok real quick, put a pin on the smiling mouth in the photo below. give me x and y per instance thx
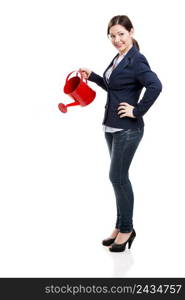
(119, 46)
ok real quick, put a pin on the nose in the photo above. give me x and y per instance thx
(117, 38)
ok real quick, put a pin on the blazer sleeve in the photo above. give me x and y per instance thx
(98, 80)
(151, 82)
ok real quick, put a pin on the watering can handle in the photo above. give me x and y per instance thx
(76, 74)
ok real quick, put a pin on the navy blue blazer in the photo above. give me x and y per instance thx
(125, 85)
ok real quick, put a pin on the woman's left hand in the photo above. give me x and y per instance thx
(125, 110)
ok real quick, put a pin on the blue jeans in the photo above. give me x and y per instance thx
(122, 146)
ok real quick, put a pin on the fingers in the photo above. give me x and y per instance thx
(123, 109)
(82, 70)
(126, 112)
(85, 72)
(123, 115)
(123, 103)
(84, 75)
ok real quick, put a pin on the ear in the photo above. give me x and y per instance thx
(132, 32)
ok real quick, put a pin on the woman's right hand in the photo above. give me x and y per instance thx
(85, 72)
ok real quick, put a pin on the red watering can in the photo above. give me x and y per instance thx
(78, 90)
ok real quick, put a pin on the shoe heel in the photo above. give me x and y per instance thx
(130, 243)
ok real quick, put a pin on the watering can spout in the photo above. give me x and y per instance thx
(78, 90)
(63, 107)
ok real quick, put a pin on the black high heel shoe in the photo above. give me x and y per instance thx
(121, 247)
(108, 242)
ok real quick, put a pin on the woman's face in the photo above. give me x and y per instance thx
(121, 38)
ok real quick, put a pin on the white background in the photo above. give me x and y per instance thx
(56, 202)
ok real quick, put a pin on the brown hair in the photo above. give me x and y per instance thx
(125, 22)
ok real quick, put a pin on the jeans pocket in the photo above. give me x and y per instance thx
(134, 134)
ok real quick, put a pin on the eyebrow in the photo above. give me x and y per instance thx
(118, 32)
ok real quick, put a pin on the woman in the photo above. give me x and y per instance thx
(124, 80)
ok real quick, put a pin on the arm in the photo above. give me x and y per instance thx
(152, 84)
(98, 80)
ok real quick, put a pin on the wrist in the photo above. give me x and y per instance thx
(132, 113)
(89, 74)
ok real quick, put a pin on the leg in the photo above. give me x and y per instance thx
(109, 140)
(124, 146)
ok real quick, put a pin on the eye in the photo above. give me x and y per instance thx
(121, 34)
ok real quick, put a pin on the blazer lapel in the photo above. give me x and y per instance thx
(104, 77)
(123, 63)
